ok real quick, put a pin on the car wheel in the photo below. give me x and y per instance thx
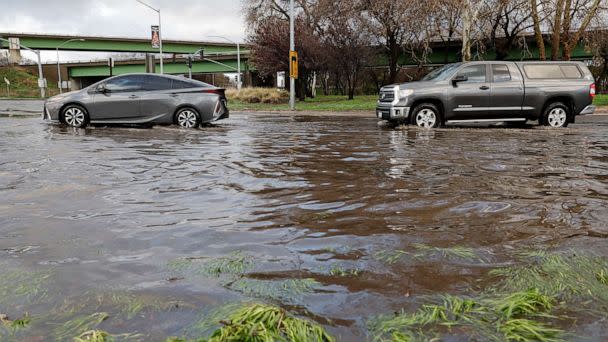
(556, 115)
(75, 116)
(426, 115)
(187, 118)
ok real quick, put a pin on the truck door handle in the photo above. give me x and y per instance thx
(484, 87)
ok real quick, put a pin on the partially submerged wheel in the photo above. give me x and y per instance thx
(187, 118)
(75, 116)
(426, 115)
(556, 115)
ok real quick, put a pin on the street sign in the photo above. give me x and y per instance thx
(7, 81)
(281, 79)
(293, 64)
(42, 83)
(155, 37)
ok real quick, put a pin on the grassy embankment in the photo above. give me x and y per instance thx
(269, 100)
(23, 84)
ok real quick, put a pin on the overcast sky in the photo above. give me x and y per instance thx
(181, 19)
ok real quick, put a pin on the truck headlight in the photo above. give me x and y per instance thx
(403, 93)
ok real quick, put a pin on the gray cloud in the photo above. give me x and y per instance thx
(181, 19)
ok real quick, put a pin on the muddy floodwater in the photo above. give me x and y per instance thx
(149, 233)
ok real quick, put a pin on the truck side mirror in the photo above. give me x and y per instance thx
(458, 79)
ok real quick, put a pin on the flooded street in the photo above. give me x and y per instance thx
(335, 219)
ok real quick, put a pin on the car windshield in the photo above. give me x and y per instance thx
(442, 73)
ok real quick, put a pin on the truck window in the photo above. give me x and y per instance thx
(500, 73)
(552, 71)
(475, 73)
(571, 71)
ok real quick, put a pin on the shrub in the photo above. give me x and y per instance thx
(257, 95)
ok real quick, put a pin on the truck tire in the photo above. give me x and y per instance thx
(556, 115)
(426, 115)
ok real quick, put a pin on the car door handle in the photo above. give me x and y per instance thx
(174, 95)
(133, 97)
(484, 87)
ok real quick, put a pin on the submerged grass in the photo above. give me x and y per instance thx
(79, 325)
(338, 271)
(23, 286)
(258, 322)
(422, 251)
(94, 336)
(569, 277)
(284, 290)
(233, 265)
(516, 317)
(555, 282)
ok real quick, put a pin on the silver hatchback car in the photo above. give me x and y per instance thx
(140, 99)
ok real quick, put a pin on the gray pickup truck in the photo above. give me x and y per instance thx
(551, 92)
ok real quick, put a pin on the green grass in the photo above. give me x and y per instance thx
(339, 103)
(258, 322)
(320, 103)
(23, 83)
(527, 302)
(601, 100)
(517, 316)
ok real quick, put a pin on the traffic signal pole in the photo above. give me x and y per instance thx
(292, 47)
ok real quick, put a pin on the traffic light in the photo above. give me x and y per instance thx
(202, 54)
(293, 64)
(189, 62)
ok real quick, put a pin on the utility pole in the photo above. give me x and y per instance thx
(58, 67)
(292, 47)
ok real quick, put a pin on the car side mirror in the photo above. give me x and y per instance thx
(458, 79)
(102, 89)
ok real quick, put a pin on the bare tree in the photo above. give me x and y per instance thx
(347, 40)
(446, 18)
(506, 21)
(470, 14)
(538, 34)
(392, 24)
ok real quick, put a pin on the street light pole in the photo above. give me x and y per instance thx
(40, 76)
(238, 59)
(58, 68)
(292, 47)
(160, 34)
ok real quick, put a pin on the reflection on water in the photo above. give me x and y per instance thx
(109, 209)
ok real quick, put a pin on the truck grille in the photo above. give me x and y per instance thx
(387, 96)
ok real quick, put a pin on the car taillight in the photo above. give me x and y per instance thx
(592, 90)
(219, 92)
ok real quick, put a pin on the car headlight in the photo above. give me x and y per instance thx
(403, 93)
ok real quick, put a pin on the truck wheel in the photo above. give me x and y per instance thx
(556, 115)
(426, 115)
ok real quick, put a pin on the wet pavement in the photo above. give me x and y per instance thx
(105, 219)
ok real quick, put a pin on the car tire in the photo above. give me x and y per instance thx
(426, 115)
(74, 116)
(187, 118)
(556, 115)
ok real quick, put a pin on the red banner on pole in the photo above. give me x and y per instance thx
(155, 38)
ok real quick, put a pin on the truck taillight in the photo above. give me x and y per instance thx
(592, 90)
